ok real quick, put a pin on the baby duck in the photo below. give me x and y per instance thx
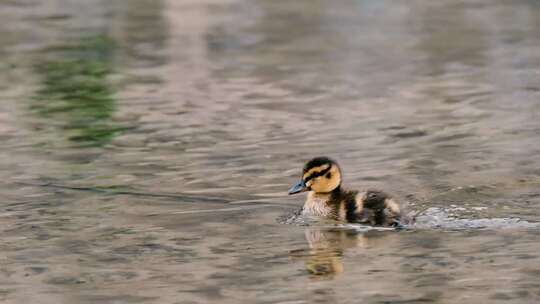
(326, 198)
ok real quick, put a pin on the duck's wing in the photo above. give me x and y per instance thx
(392, 213)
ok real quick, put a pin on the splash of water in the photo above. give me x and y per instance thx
(443, 219)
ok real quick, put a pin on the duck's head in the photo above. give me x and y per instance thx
(321, 175)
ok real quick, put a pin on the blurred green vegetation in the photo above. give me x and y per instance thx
(75, 92)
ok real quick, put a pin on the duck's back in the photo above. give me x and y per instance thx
(372, 207)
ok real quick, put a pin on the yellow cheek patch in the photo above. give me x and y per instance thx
(323, 184)
(315, 170)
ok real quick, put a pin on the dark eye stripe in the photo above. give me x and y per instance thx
(317, 174)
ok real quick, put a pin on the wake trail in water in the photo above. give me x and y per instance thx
(431, 218)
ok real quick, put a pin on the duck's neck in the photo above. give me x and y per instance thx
(321, 203)
(328, 195)
(336, 192)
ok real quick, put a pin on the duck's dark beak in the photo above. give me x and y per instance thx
(298, 187)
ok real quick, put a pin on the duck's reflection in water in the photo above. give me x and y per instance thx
(327, 246)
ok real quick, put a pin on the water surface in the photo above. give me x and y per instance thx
(219, 104)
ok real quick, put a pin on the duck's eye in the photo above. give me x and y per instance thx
(328, 175)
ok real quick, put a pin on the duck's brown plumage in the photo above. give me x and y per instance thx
(325, 199)
(371, 207)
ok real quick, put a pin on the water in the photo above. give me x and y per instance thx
(218, 104)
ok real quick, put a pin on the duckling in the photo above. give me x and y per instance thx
(321, 176)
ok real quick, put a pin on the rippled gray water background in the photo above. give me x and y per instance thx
(219, 103)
